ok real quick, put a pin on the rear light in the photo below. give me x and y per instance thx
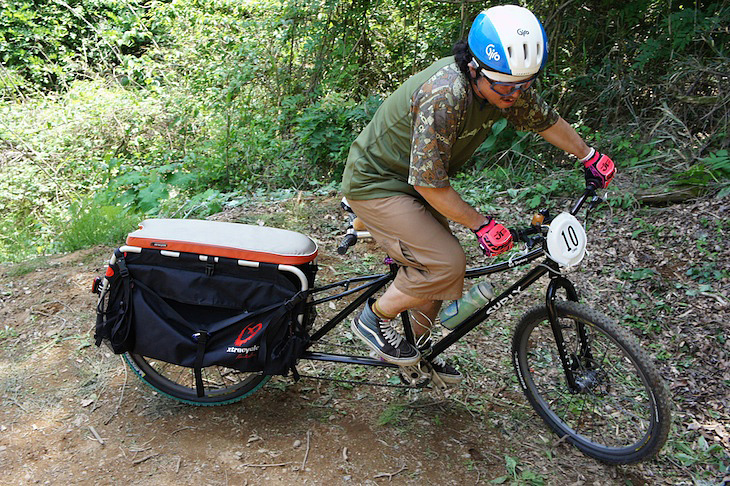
(96, 285)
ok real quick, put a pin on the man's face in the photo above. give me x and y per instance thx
(500, 94)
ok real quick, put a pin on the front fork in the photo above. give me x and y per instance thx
(558, 282)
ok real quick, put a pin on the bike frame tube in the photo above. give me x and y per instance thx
(369, 290)
(347, 359)
(380, 281)
(504, 299)
(550, 296)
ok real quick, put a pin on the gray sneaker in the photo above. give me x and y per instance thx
(382, 338)
(446, 372)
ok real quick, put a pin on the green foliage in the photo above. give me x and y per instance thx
(8, 332)
(47, 44)
(711, 170)
(90, 223)
(179, 108)
(59, 150)
(392, 414)
(708, 272)
(325, 130)
(638, 274)
(707, 460)
(517, 475)
(25, 267)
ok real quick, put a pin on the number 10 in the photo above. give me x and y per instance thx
(573, 238)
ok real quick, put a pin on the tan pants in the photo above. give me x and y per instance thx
(418, 237)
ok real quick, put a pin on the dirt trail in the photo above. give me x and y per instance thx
(72, 413)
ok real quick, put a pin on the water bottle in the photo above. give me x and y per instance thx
(459, 310)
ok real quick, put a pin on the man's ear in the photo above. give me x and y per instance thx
(474, 70)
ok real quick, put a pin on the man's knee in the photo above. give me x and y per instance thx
(453, 266)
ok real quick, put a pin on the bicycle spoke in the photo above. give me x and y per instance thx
(611, 407)
(222, 385)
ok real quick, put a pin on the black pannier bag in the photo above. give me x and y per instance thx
(206, 306)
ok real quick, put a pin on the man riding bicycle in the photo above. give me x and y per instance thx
(397, 175)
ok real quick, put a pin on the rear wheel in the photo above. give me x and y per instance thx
(222, 385)
(619, 412)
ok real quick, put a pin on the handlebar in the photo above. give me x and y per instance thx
(526, 235)
(589, 191)
(349, 240)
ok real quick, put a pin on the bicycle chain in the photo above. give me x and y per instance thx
(370, 383)
(356, 382)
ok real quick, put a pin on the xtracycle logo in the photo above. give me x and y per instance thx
(247, 334)
(492, 53)
(249, 352)
(523, 32)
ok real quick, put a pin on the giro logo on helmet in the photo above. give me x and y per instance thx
(523, 32)
(492, 53)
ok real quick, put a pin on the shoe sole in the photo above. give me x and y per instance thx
(450, 379)
(389, 359)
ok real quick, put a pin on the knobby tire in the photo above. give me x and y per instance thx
(621, 414)
(222, 385)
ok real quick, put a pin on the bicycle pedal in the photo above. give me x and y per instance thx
(415, 375)
(436, 380)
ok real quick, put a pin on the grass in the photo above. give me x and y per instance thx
(25, 267)
(392, 415)
(92, 223)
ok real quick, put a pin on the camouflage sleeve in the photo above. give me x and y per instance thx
(436, 113)
(531, 114)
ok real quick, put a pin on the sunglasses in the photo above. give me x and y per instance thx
(504, 88)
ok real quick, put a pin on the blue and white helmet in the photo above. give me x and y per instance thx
(508, 42)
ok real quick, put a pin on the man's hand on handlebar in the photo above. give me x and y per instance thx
(493, 238)
(599, 169)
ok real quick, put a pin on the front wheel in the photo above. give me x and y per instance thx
(619, 411)
(222, 385)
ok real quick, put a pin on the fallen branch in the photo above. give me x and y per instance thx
(96, 434)
(390, 475)
(306, 452)
(145, 458)
(668, 196)
(181, 429)
(559, 441)
(267, 465)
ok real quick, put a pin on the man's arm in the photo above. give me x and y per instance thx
(448, 202)
(563, 136)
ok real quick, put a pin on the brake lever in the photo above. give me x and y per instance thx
(594, 202)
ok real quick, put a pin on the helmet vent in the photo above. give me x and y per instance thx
(509, 52)
(524, 48)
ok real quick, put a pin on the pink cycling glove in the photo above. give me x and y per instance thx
(599, 169)
(493, 238)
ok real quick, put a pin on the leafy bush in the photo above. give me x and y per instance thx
(325, 130)
(91, 223)
(47, 44)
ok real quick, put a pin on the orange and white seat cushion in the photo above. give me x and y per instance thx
(231, 240)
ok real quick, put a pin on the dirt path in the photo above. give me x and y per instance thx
(72, 413)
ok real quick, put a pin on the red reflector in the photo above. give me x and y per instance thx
(96, 285)
(109, 272)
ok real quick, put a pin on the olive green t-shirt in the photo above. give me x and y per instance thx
(427, 130)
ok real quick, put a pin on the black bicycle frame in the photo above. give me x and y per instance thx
(377, 282)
